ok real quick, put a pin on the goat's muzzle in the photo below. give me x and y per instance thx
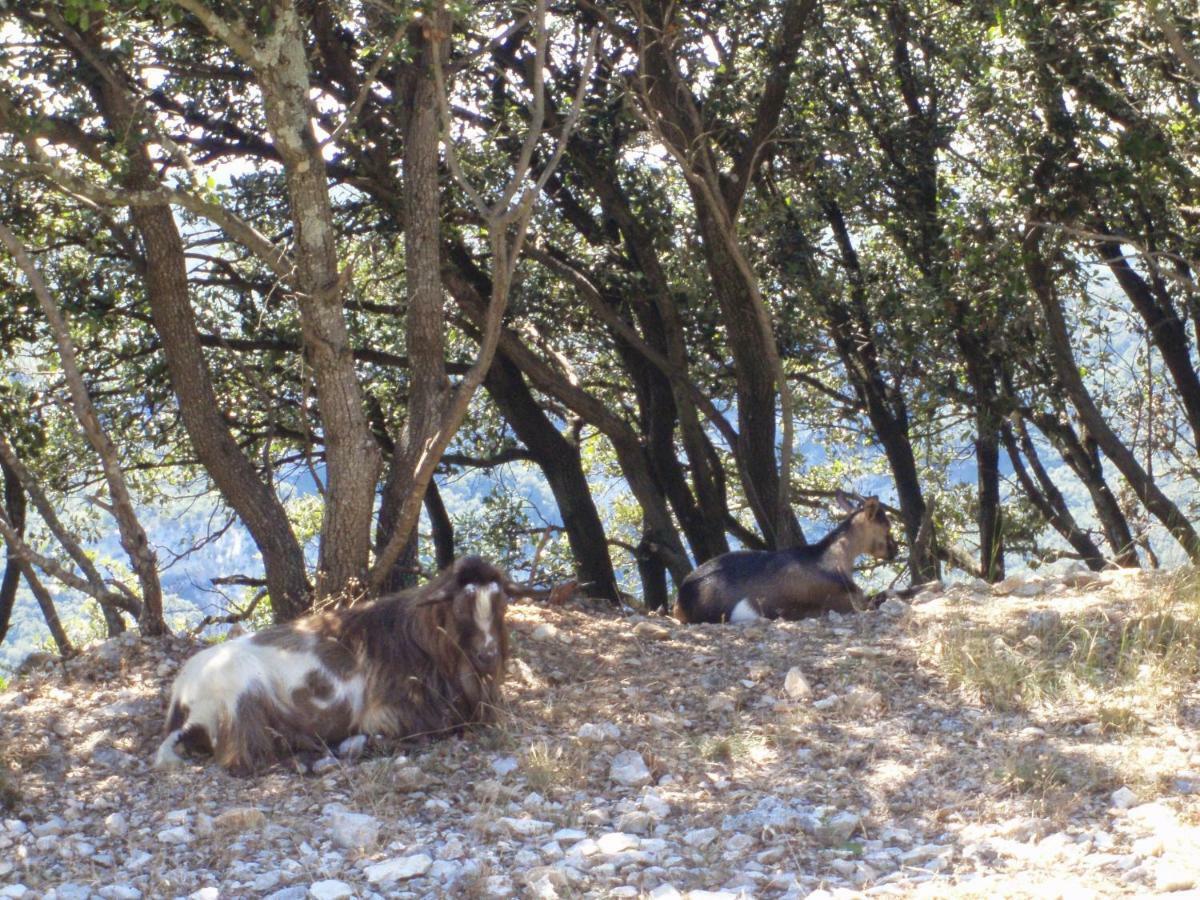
(487, 659)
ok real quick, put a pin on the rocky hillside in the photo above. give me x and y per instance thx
(1040, 737)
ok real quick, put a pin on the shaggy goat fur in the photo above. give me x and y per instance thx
(422, 662)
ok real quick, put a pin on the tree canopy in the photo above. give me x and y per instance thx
(689, 267)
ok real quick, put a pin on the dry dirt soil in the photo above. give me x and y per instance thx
(1036, 740)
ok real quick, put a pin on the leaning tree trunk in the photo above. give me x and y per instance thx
(1084, 460)
(631, 457)
(561, 463)
(1147, 491)
(133, 538)
(252, 500)
(1047, 499)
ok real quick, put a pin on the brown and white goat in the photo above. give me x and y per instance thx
(425, 661)
(790, 584)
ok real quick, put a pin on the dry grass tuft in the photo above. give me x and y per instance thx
(1125, 664)
(552, 768)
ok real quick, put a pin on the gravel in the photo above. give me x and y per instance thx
(637, 758)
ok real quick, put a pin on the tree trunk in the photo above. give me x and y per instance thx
(748, 327)
(251, 499)
(442, 527)
(991, 538)
(352, 460)
(46, 604)
(853, 337)
(562, 465)
(653, 575)
(626, 444)
(662, 330)
(429, 386)
(1164, 326)
(14, 509)
(1085, 462)
(132, 537)
(1048, 500)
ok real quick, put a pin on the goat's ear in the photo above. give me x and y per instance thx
(847, 503)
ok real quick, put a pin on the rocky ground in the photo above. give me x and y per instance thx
(1038, 740)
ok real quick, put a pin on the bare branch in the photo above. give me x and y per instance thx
(234, 35)
(235, 227)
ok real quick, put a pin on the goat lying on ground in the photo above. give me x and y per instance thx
(790, 584)
(425, 661)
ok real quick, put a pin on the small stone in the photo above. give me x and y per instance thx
(353, 831)
(827, 702)
(398, 868)
(266, 881)
(205, 893)
(1171, 876)
(120, 892)
(630, 769)
(498, 886)
(545, 632)
(51, 826)
(15, 891)
(700, 837)
(330, 890)
(635, 822)
(524, 827)
(1022, 585)
(720, 703)
(1148, 846)
(322, 766)
(617, 842)
(836, 829)
(862, 700)
(295, 892)
(922, 853)
(177, 835)
(598, 734)
(894, 608)
(407, 779)
(116, 824)
(502, 765)
(1080, 578)
(1123, 798)
(352, 747)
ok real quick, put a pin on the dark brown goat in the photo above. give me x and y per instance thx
(423, 662)
(790, 584)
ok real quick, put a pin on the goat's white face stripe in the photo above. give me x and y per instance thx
(483, 612)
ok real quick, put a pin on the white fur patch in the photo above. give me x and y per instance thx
(744, 611)
(212, 682)
(484, 612)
